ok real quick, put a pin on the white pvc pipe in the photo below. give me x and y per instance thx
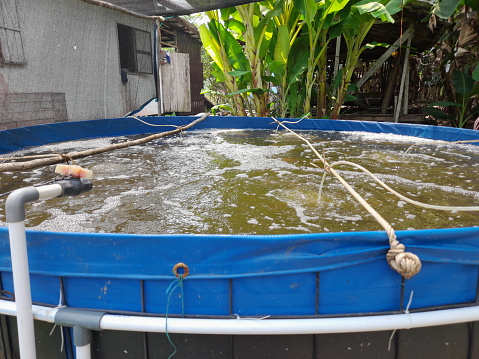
(21, 283)
(49, 191)
(83, 352)
(21, 278)
(291, 326)
(253, 326)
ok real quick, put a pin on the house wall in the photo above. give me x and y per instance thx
(71, 48)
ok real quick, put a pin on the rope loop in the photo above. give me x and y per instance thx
(66, 158)
(405, 263)
(181, 270)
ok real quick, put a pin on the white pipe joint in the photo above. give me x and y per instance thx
(15, 203)
(82, 321)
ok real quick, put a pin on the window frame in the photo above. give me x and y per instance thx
(12, 50)
(135, 50)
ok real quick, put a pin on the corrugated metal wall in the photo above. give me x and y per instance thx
(72, 48)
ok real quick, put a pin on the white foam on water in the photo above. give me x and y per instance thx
(189, 181)
(353, 136)
(65, 222)
(61, 147)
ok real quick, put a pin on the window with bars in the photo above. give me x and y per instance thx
(135, 50)
(11, 43)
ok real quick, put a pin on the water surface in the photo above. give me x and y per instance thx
(256, 182)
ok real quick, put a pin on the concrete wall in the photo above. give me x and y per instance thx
(72, 47)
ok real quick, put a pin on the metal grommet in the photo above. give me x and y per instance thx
(185, 268)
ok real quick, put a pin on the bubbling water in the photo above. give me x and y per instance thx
(256, 182)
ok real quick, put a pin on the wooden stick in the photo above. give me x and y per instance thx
(123, 10)
(22, 166)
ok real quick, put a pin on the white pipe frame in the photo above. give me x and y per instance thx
(257, 326)
(25, 312)
(19, 256)
(15, 218)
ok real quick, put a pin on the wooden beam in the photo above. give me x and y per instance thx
(167, 44)
(336, 56)
(123, 10)
(405, 73)
(388, 93)
(407, 34)
(406, 93)
(168, 32)
(159, 85)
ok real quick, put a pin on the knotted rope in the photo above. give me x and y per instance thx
(405, 263)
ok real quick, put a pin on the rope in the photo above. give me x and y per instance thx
(441, 141)
(61, 304)
(175, 284)
(405, 263)
(411, 201)
(151, 124)
(66, 158)
(406, 311)
(27, 157)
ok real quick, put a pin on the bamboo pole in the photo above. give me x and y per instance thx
(22, 166)
(407, 34)
(159, 85)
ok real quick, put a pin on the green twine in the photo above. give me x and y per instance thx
(175, 284)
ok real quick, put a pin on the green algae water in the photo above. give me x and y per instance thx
(256, 182)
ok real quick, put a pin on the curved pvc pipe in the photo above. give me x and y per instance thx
(15, 214)
(292, 326)
(253, 326)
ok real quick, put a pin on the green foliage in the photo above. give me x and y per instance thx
(467, 87)
(221, 107)
(445, 8)
(283, 44)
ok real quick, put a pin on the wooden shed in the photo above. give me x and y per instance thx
(387, 78)
(184, 39)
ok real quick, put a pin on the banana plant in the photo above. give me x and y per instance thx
(227, 56)
(356, 26)
(283, 43)
(259, 26)
(318, 18)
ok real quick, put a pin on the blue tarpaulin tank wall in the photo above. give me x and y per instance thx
(15, 139)
(300, 276)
